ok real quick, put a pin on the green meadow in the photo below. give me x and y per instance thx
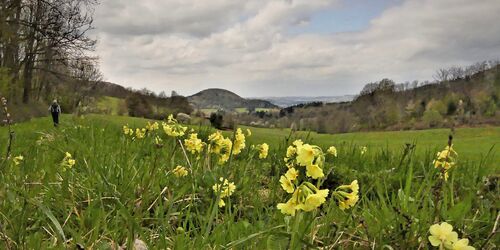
(123, 190)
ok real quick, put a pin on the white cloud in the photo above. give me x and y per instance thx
(245, 46)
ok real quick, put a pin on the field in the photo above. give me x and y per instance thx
(208, 111)
(110, 105)
(122, 188)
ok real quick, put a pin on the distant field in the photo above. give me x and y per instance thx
(471, 143)
(238, 110)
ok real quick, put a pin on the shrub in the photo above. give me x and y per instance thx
(216, 120)
(138, 106)
(432, 117)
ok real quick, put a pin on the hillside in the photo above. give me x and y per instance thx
(224, 99)
(462, 101)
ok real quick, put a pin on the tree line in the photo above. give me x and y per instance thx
(44, 43)
(459, 96)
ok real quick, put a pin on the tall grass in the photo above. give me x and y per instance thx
(121, 189)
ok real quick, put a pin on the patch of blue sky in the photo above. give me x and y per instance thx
(348, 16)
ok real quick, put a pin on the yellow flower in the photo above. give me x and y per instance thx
(314, 171)
(462, 244)
(127, 130)
(174, 130)
(445, 161)
(354, 186)
(292, 174)
(68, 161)
(180, 171)
(239, 142)
(193, 144)
(347, 199)
(332, 150)
(152, 126)
(363, 150)
(263, 151)
(442, 235)
(225, 150)
(313, 201)
(298, 143)
(225, 189)
(291, 151)
(286, 184)
(140, 133)
(18, 159)
(249, 133)
(287, 208)
(220, 146)
(221, 203)
(305, 155)
(291, 205)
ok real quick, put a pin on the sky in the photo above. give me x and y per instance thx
(264, 48)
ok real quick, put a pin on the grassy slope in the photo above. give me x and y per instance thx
(111, 104)
(106, 198)
(471, 143)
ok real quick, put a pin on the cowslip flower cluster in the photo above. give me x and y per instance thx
(68, 162)
(223, 189)
(309, 156)
(347, 195)
(445, 160)
(443, 236)
(140, 133)
(332, 150)
(263, 150)
(128, 131)
(363, 150)
(239, 142)
(220, 146)
(173, 128)
(18, 159)
(305, 195)
(193, 144)
(152, 126)
(180, 171)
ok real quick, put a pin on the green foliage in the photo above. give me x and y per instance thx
(138, 106)
(432, 117)
(216, 119)
(122, 189)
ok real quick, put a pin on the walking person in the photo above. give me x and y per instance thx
(55, 110)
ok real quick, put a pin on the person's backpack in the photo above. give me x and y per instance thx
(54, 108)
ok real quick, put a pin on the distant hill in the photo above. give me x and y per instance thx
(463, 98)
(287, 101)
(225, 99)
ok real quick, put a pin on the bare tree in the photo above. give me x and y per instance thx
(456, 72)
(442, 75)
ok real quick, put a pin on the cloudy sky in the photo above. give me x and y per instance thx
(289, 47)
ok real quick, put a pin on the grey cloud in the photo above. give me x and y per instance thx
(246, 48)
